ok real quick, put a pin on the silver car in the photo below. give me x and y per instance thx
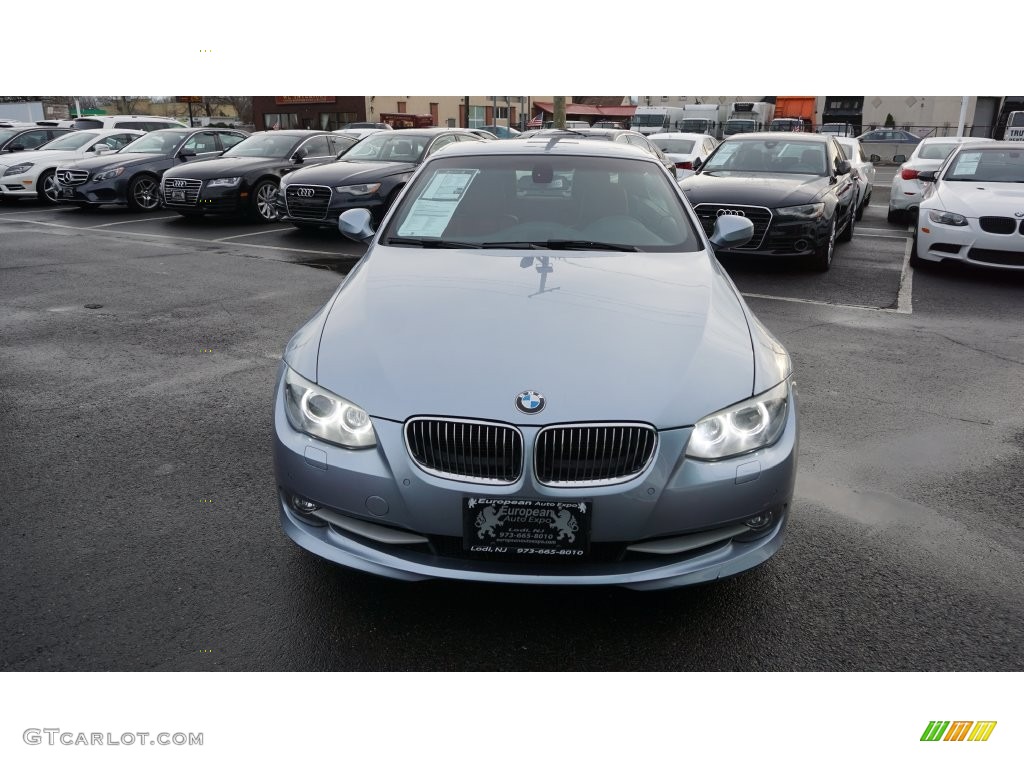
(540, 374)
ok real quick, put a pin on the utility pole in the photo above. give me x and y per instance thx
(559, 108)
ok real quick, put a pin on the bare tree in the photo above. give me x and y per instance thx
(242, 105)
(126, 105)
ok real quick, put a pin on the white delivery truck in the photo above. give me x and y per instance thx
(1014, 127)
(749, 117)
(648, 120)
(702, 118)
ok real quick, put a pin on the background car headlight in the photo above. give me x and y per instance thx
(14, 170)
(112, 173)
(810, 211)
(322, 414)
(741, 428)
(227, 181)
(359, 189)
(945, 217)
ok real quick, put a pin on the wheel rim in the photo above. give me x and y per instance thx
(265, 202)
(145, 193)
(50, 188)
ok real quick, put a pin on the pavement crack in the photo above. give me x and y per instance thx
(978, 349)
(917, 409)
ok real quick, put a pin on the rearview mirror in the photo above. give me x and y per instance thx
(731, 232)
(355, 225)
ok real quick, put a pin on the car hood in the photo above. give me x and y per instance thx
(224, 166)
(42, 156)
(356, 171)
(980, 198)
(773, 191)
(113, 160)
(659, 338)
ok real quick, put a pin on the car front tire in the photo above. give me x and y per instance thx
(143, 194)
(46, 187)
(821, 260)
(262, 206)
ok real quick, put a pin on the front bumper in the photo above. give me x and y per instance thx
(208, 200)
(337, 204)
(970, 244)
(110, 192)
(366, 493)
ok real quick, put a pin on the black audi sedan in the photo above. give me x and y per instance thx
(796, 188)
(369, 175)
(246, 177)
(131, 176)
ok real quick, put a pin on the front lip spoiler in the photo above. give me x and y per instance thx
(713, 566)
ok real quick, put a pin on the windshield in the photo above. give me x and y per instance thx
(157, 142)
(85, 122)
(769, 156)
(695, 126)
(739, 126)
(990, 165)
(72, 140)
(542, 202)
(397, 147)
(1016, 120)
(6, 133)
(673, 146)
(274, 145)
(936, 151)
(647, 120)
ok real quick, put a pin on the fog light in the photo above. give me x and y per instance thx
(306, 506)
(761, 521)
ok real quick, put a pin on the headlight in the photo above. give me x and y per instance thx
(321, 413)
(945, 217)
(359, 189)
(112, 173)
(811, 211)
(741, 428)
(14, 170)
(228, 181)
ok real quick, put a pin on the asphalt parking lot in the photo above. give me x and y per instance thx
(140, 524)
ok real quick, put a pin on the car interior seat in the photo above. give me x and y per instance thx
(811, 161)
(402, 150)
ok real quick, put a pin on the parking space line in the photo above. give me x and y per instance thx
(254, 234)
(193, 240)
(904, 299)
(130, 221)
(820, 303)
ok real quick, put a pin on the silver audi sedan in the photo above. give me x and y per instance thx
(538, 374)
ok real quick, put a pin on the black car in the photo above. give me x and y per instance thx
(620, 135)
(16, 138)
(796, 188)
(131, 176)
(246, 177)
(369, 175)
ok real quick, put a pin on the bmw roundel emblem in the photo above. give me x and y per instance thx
(530, 401)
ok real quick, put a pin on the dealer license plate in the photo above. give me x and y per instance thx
(526, 528)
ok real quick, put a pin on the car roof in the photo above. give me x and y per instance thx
(564, 144)
(1018, 145)
(955, 139)
(776, 135)
(681, 135)
(298, 133)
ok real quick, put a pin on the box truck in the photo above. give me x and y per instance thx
(702, 118)
(793, 113)
(657, 119)
(748, 117)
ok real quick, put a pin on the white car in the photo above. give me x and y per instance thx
(928, 155)
(973, 208)
(357, 133)
(863, 171)
(31, 173)
(683, 148)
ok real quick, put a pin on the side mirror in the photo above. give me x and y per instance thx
(731, 232)
(899, 158)
(16, 148)
(186, 155)
(697, 163)
(297, 158)
(843, 166)
(355, 225)
(875, 158)
(99, 149)
(927, 175)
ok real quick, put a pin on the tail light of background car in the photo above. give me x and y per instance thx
(908, 173)
(686, 165)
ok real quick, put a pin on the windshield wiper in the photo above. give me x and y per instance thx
(588, 245)
(430, 242)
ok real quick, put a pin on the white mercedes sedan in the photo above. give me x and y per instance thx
(973, 208)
